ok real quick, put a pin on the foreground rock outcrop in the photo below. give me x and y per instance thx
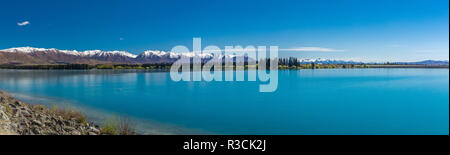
(18, 118)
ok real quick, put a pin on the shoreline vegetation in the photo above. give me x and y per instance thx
(19, 118)
(166, 66)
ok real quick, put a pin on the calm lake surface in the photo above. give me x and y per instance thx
(325, 101)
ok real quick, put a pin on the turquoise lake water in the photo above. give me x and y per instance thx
(324, 101)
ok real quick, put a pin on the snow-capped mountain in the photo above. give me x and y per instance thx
(327, 61)
(30, 55)
(91, 53)
(171, 55)
(426, 62)
(50, 56)
(109, 56)
(161, 57)
(333, 61)
(99, 53)
(156, 57)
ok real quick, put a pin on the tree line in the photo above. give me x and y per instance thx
(283, 63)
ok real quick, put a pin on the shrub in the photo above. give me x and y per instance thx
(109, 127)
(118, 126)
(69, 113)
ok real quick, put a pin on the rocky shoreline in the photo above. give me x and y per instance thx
(19, 118)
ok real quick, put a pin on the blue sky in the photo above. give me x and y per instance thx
(366, 30)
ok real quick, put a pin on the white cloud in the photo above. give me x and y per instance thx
(310, 49)
(23, 23)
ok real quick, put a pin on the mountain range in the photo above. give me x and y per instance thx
(31, 56)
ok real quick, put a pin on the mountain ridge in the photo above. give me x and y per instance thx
(38, 56)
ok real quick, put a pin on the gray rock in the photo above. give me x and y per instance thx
(68, 128)
(25, 113)
(91, 133)
(31, 120)
(35, 130)
(3, 116)
(75, 132)
(36, 122)
(93, 129)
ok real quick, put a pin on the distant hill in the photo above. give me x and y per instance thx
(427, 62)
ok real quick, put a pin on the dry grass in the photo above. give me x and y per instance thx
(69, 113)
(126, 126)
(118, 126)
(8, 110)
(38, 108)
